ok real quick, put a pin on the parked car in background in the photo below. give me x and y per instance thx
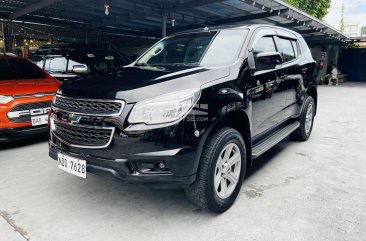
(65, 61)
(26, 93)
(192, 112)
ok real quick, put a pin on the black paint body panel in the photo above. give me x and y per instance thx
(266, 100)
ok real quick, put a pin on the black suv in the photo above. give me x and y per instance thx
(66, 61)
(192, 112)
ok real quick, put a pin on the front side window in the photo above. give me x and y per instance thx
(205, 48)
(264, 45)
(287, 50)
(16, 68)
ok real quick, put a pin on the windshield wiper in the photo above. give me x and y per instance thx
(184, 64)
(141, 64)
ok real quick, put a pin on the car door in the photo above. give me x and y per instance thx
(267, 91)
(291, 72)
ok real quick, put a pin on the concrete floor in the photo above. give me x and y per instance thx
(314, 190)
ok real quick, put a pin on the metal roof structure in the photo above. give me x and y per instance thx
(154, 18)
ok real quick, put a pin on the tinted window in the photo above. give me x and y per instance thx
(15, 68)
(287, 50)
(206, 48)
(265, 45)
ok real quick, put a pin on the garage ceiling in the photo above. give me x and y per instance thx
(146, 17)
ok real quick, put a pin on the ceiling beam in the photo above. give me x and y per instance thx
(33, 8)
(229, 20)
(307, 31)
(250, 17)
(192, 4)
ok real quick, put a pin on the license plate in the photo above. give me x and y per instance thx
(72, 165)
(39, 120)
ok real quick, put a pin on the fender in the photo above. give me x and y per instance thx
(215, 125)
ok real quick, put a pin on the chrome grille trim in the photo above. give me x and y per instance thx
(91, 112)
(34, 95)
(54, 132)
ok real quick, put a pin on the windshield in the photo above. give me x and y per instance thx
(205, 48)
(63, 64)
(16, 68)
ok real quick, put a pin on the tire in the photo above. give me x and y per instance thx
(203, 192)
(304, 131)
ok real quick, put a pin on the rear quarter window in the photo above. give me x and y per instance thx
(304, 48)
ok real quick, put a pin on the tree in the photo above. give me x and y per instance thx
(317, 8)
(341, 27)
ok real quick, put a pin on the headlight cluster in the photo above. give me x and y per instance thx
(4, 99)
(165, 108)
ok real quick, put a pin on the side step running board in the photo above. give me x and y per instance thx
(273, 139)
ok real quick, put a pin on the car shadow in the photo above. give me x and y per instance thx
(264, 159)
(121, 197)
(24, 142)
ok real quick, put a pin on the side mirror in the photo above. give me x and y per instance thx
(268, 60)
(80, 69)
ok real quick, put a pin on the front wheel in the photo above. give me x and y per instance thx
(306, 120)
(221, 171)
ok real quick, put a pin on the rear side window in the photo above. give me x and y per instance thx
(287, 49)
(265, 45)
(16, 68)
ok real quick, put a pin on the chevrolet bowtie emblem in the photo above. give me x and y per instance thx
(74, 119)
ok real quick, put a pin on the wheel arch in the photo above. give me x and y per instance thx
(236, 119)
(313, 92)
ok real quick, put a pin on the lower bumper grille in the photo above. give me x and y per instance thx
(84, 137)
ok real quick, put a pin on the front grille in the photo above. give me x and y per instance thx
(89, 107)
(22, 113)
(83, 136)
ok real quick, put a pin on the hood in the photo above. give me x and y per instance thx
(136, 83)
(30, 86)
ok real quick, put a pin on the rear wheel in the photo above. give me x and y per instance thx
(306, 120)
(221, 171)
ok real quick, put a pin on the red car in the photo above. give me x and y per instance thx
(26, 93)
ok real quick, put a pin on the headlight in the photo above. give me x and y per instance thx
(165, 108)
(4, 99)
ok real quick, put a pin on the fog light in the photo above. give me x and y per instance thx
(149, 167)
(160, 165)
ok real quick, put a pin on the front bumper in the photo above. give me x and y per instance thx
(137, 168)
(13, 134)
